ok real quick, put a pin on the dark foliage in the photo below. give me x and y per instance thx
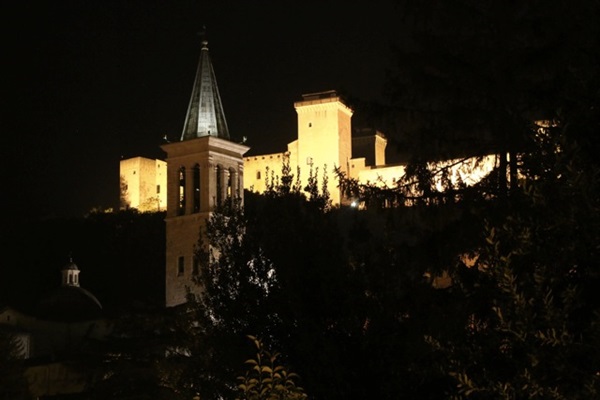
(345, 296)
(473, 77)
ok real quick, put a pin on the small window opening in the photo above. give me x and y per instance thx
(180, 266)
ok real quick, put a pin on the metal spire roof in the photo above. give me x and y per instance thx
(205, 116)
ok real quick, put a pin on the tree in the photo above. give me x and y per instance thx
(472, 77)
(477, 77)
(266, 379)
(517, 322)
(123, 193)
(275, 268)
(534, 331)
(341, 293)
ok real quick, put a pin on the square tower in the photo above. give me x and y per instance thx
(324, 138)
(202, 173)
(143, 184)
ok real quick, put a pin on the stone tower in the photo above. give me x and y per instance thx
(143, 184)
(324, 137)
(204, 168)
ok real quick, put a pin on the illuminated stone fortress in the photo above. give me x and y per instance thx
(205, 167)
(324, 143)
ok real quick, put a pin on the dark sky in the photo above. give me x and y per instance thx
(89, 82)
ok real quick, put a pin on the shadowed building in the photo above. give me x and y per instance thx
(53, 339)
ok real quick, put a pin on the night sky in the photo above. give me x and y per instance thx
(89, 83)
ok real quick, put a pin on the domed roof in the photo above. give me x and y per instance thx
(69, 304)
(71, 266)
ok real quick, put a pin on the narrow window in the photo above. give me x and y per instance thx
(180, 266)
(257, 174)
(196, 188)
(181, 205)
(229, 183)
(158, 189)
(219, 184)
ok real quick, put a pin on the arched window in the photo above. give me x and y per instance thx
(181, 202)
(196, 188)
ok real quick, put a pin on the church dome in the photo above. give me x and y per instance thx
(70, 302)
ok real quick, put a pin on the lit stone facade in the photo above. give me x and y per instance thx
(468, 171)
(324, 143)
(202, 173)
(260, 169)
(144, 184)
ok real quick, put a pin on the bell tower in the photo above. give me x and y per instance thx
(205, 168)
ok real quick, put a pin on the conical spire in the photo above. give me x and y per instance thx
(205, 115)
